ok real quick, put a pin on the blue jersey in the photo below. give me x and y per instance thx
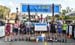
(59, 27)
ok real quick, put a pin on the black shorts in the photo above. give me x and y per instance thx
(64, 31)
(53, 31)
(27, 29)
(15, 30)
(22, 32)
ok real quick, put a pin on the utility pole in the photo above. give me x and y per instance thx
(29, 12)
(52, 17)
(29, 17)
(52, 13)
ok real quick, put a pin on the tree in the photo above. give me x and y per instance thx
(67, 17)
(57, 16)
(1, 13)
(63, 12)
(68, 9)
(4, 11)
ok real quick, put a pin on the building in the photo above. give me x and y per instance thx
(72, 15)
(33, 18)
(11, 17)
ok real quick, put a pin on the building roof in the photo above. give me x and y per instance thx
(71, 13)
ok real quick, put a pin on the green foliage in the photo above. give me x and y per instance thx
(67, 17)
(70, 17)
(57, 15)
(48, 17)
(67, 10)
(64, 12)
(3, 11)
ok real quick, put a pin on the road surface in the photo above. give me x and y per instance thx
(33, 43)
(69, 42)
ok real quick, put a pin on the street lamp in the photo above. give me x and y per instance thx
(17, 13)
(17, 9)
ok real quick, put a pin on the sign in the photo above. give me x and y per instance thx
(40, 8)
(40, 26)
(2, 31)
(56, 8)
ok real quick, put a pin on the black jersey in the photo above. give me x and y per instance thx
(53, 30)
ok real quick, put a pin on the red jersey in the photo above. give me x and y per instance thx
(7, 28)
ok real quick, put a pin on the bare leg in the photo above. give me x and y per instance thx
(15, 36)
(6, 38)
(51, 36)
(9, 38)
(59, 36)
(54, 37)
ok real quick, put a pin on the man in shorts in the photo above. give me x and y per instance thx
(53, 31)
(22, 31)
(28, 27)
(59, 28)
(48, 26)
(64, 29)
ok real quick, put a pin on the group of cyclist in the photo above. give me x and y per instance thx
(12, 31)
(57, 31)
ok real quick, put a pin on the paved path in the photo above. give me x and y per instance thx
(33, 43)
(69, 42)
(2, 42)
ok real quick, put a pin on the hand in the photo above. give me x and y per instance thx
(18, 28)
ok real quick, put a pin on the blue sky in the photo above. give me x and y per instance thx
(12, 4)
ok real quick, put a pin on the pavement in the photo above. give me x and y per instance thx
(33, 43)
(69, 42)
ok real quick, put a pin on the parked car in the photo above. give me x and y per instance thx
(2, 29)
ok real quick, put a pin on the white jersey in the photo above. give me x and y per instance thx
(48, 26)
(28, 24)
(11, 28)
(16, 25)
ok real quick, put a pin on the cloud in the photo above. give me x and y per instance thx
(66, 3)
